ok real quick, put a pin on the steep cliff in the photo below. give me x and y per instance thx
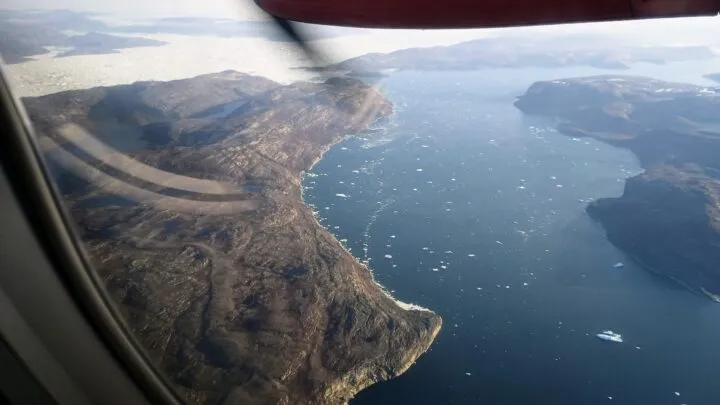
(668, 218)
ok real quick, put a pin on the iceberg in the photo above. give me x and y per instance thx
(619, 265)
(610, 336)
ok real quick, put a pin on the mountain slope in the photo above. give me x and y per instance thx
(205, 243)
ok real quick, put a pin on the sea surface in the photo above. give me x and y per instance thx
(461, 204)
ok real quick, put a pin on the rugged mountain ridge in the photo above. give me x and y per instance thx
(668, 218)
(221, 270)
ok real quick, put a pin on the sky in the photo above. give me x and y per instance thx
(240, 9)
(187, 56)
(695, 30)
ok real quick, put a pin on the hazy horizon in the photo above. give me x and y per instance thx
(704, 30)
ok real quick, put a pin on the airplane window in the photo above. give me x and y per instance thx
(477, 216)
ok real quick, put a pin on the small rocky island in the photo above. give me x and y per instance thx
(96, 43)
(187, 195)
(668, 218)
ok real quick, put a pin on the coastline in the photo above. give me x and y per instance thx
(328, 332)
(404, 305)
(413, 353)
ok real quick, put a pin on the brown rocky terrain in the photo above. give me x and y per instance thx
(187, 196)
(668, 218)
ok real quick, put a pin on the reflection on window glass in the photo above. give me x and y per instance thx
(517, 216)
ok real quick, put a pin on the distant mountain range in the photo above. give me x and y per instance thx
(501, 52)
(668, 218)
(24, 34)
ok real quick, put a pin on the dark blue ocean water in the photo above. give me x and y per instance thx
(463, 205)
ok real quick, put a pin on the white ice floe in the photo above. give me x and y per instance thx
(392, 236)
(471, 255)
(619, 265)
(388, 256)
(341, 195)
(356, 171)
(499, 243)
(418, 170)
(610, 336)
(425, 248)
(677, 394)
